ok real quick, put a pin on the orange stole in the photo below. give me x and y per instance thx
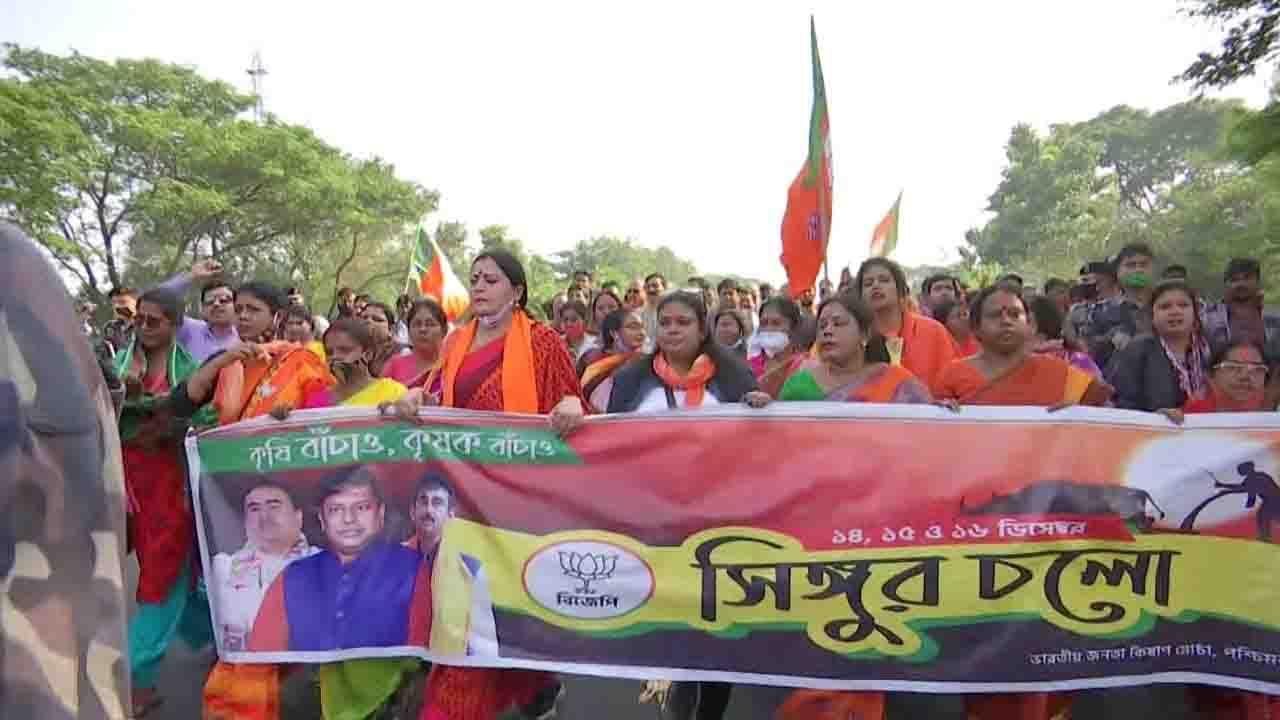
(882, 387)
(253, 388)
(600, 370)
(1039, 380)
(519, 381)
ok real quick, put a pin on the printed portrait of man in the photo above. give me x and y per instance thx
(434, 504)
(273, 539)
(359, 591)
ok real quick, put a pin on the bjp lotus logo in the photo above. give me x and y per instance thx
(587, 568)
(568, 578)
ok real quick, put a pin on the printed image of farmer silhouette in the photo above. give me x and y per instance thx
(1256, 486)
(1210, 482)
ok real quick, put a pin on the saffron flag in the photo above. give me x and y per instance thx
(435, 279)
(885, 237)
(806, 226)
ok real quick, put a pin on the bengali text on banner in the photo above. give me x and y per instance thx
(826, 546)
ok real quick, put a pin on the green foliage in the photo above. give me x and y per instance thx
(1251, 31)
(1081, 191)
(130, 171)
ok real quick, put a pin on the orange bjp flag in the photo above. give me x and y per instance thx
(806, 226)
(435, 278)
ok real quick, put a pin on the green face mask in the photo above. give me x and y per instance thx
(1136, 281)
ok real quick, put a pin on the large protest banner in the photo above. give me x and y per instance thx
(815, 545)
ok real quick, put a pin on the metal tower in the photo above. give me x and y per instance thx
(256, 72)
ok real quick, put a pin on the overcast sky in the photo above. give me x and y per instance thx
(672, 123)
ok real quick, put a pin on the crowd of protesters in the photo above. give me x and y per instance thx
(1117, 336)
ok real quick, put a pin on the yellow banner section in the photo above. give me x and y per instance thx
(875, 603)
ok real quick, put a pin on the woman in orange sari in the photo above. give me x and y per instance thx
(254, 376)
(248, 380)
(502, 361)
(624, 336)
(1007, 371)
(853, 361)
(915, 342)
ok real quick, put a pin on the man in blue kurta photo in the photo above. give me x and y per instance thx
(361, 591)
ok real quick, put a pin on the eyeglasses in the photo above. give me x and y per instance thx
(1254, 370)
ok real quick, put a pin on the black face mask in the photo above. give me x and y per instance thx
(342, 370)
(1088, 292)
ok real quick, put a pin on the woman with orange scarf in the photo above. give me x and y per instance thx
(915, 342)
(688, 370)
(1007, 372)
(623, 334)
(251, 379)
(505, 362)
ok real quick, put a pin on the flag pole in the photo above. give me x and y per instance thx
(823, 230)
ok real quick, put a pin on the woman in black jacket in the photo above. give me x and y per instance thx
(688, 369)
(1168, 367)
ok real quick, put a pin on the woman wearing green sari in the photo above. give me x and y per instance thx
(853, 362)
(161, 525)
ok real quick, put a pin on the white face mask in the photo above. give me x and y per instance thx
(771, 342)
(492, 321)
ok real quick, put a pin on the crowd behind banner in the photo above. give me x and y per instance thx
(1127, 333)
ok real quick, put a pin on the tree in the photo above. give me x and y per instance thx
(1251, 32)
(610, 258)
(1085, 189)
(129, 171)
(451, 236)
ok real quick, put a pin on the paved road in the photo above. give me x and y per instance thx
(594, 698)
(182, 676)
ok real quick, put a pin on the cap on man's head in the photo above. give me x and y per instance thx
(1099, 267)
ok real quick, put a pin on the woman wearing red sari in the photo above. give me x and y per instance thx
(428, 325)
(1236, 384)
(161, 522)
(502, 361)
(1237, 381)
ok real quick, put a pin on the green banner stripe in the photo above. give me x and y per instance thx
(327, 446)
